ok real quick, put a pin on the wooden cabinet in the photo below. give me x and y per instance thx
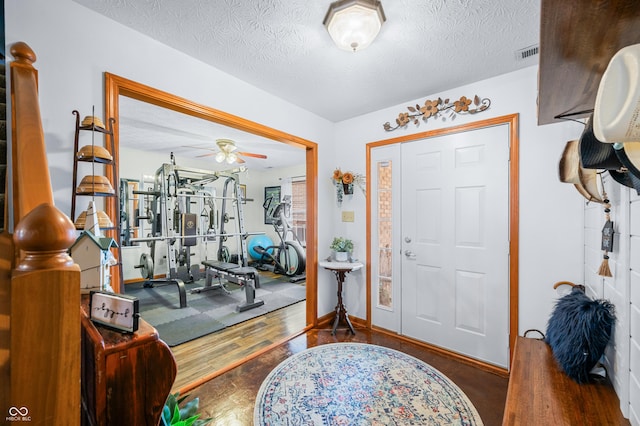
(577, 40)
(126, 378)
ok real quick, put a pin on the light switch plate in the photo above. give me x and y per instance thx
(347, 216)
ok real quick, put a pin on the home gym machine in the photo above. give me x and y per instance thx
(289, 258)
(175, 191)
(224, 267)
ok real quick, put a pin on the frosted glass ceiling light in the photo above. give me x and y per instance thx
(354, 24)
(232, 157)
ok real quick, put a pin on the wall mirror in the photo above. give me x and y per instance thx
(155, 130)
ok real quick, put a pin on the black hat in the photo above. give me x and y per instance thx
(595, 154)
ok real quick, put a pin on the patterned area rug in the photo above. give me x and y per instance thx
(360, 384)
(209, 311)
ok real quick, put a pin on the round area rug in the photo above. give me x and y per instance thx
(360, 384)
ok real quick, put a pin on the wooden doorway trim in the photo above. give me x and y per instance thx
(514, 212)
(116, 86)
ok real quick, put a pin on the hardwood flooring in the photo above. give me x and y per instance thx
(230, 397)
(207, 355)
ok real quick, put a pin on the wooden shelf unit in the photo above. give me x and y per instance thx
(577, 41)
(108, 133)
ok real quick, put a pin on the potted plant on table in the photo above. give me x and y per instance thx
(341, 247)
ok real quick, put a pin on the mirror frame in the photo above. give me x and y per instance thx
(116, 86)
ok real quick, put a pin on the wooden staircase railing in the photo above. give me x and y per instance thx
(39, 282)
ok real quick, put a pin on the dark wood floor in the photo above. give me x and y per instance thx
(229, 398)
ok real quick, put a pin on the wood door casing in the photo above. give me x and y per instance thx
(512, 121)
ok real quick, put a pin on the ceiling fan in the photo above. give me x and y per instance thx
(227, 152)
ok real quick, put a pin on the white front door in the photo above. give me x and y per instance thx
(455, 242)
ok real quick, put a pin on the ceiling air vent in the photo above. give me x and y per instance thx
(527, 52)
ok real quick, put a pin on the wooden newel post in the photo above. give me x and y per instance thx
(45, 324)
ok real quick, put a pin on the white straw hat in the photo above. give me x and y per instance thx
(616, 114)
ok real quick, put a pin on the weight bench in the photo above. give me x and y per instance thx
(151, 283)
(247, 276)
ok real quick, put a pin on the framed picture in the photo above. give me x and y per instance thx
(243, 193)
(271, 201)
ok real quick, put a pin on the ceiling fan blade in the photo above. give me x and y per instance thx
(206, 155)
(200, 147)
(251, 154)
(240, 160)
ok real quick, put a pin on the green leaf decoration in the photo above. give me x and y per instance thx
(190, 409)
(173, 415)
(176, 415)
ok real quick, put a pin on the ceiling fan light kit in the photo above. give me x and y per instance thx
(227, 146)
(226, 152)
(354, 24)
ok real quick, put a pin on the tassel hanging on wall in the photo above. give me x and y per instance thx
(607, 237)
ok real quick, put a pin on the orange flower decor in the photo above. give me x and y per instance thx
(345, 182)
(462, 104)
(430, 108)
(346, 178)
(437, 108)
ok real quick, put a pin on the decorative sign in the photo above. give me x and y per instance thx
(607, 237)
(115, 311)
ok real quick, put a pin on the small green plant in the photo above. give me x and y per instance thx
(173, 415)
(341, 244)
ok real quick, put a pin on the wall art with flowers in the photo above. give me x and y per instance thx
(345, 182)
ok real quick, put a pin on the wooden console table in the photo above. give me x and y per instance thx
(340, 269)
(126, 378)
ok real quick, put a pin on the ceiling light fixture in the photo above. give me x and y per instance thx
(227, 146)
(354, 24)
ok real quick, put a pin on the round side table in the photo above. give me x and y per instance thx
(340, 270)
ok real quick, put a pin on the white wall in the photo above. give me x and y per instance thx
(75, 46)
(622, 356)
(550, 212)
(256, 182)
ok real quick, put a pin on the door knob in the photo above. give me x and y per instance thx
(409, 254)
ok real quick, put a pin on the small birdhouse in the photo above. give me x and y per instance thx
(95, 259)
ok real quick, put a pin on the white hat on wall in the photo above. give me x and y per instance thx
(616, 114)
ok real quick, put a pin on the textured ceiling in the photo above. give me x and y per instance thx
(281, 46)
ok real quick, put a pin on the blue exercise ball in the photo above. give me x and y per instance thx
(262, 241)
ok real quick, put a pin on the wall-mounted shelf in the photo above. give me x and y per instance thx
(577, 41)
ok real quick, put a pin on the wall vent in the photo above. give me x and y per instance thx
(527, 52)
